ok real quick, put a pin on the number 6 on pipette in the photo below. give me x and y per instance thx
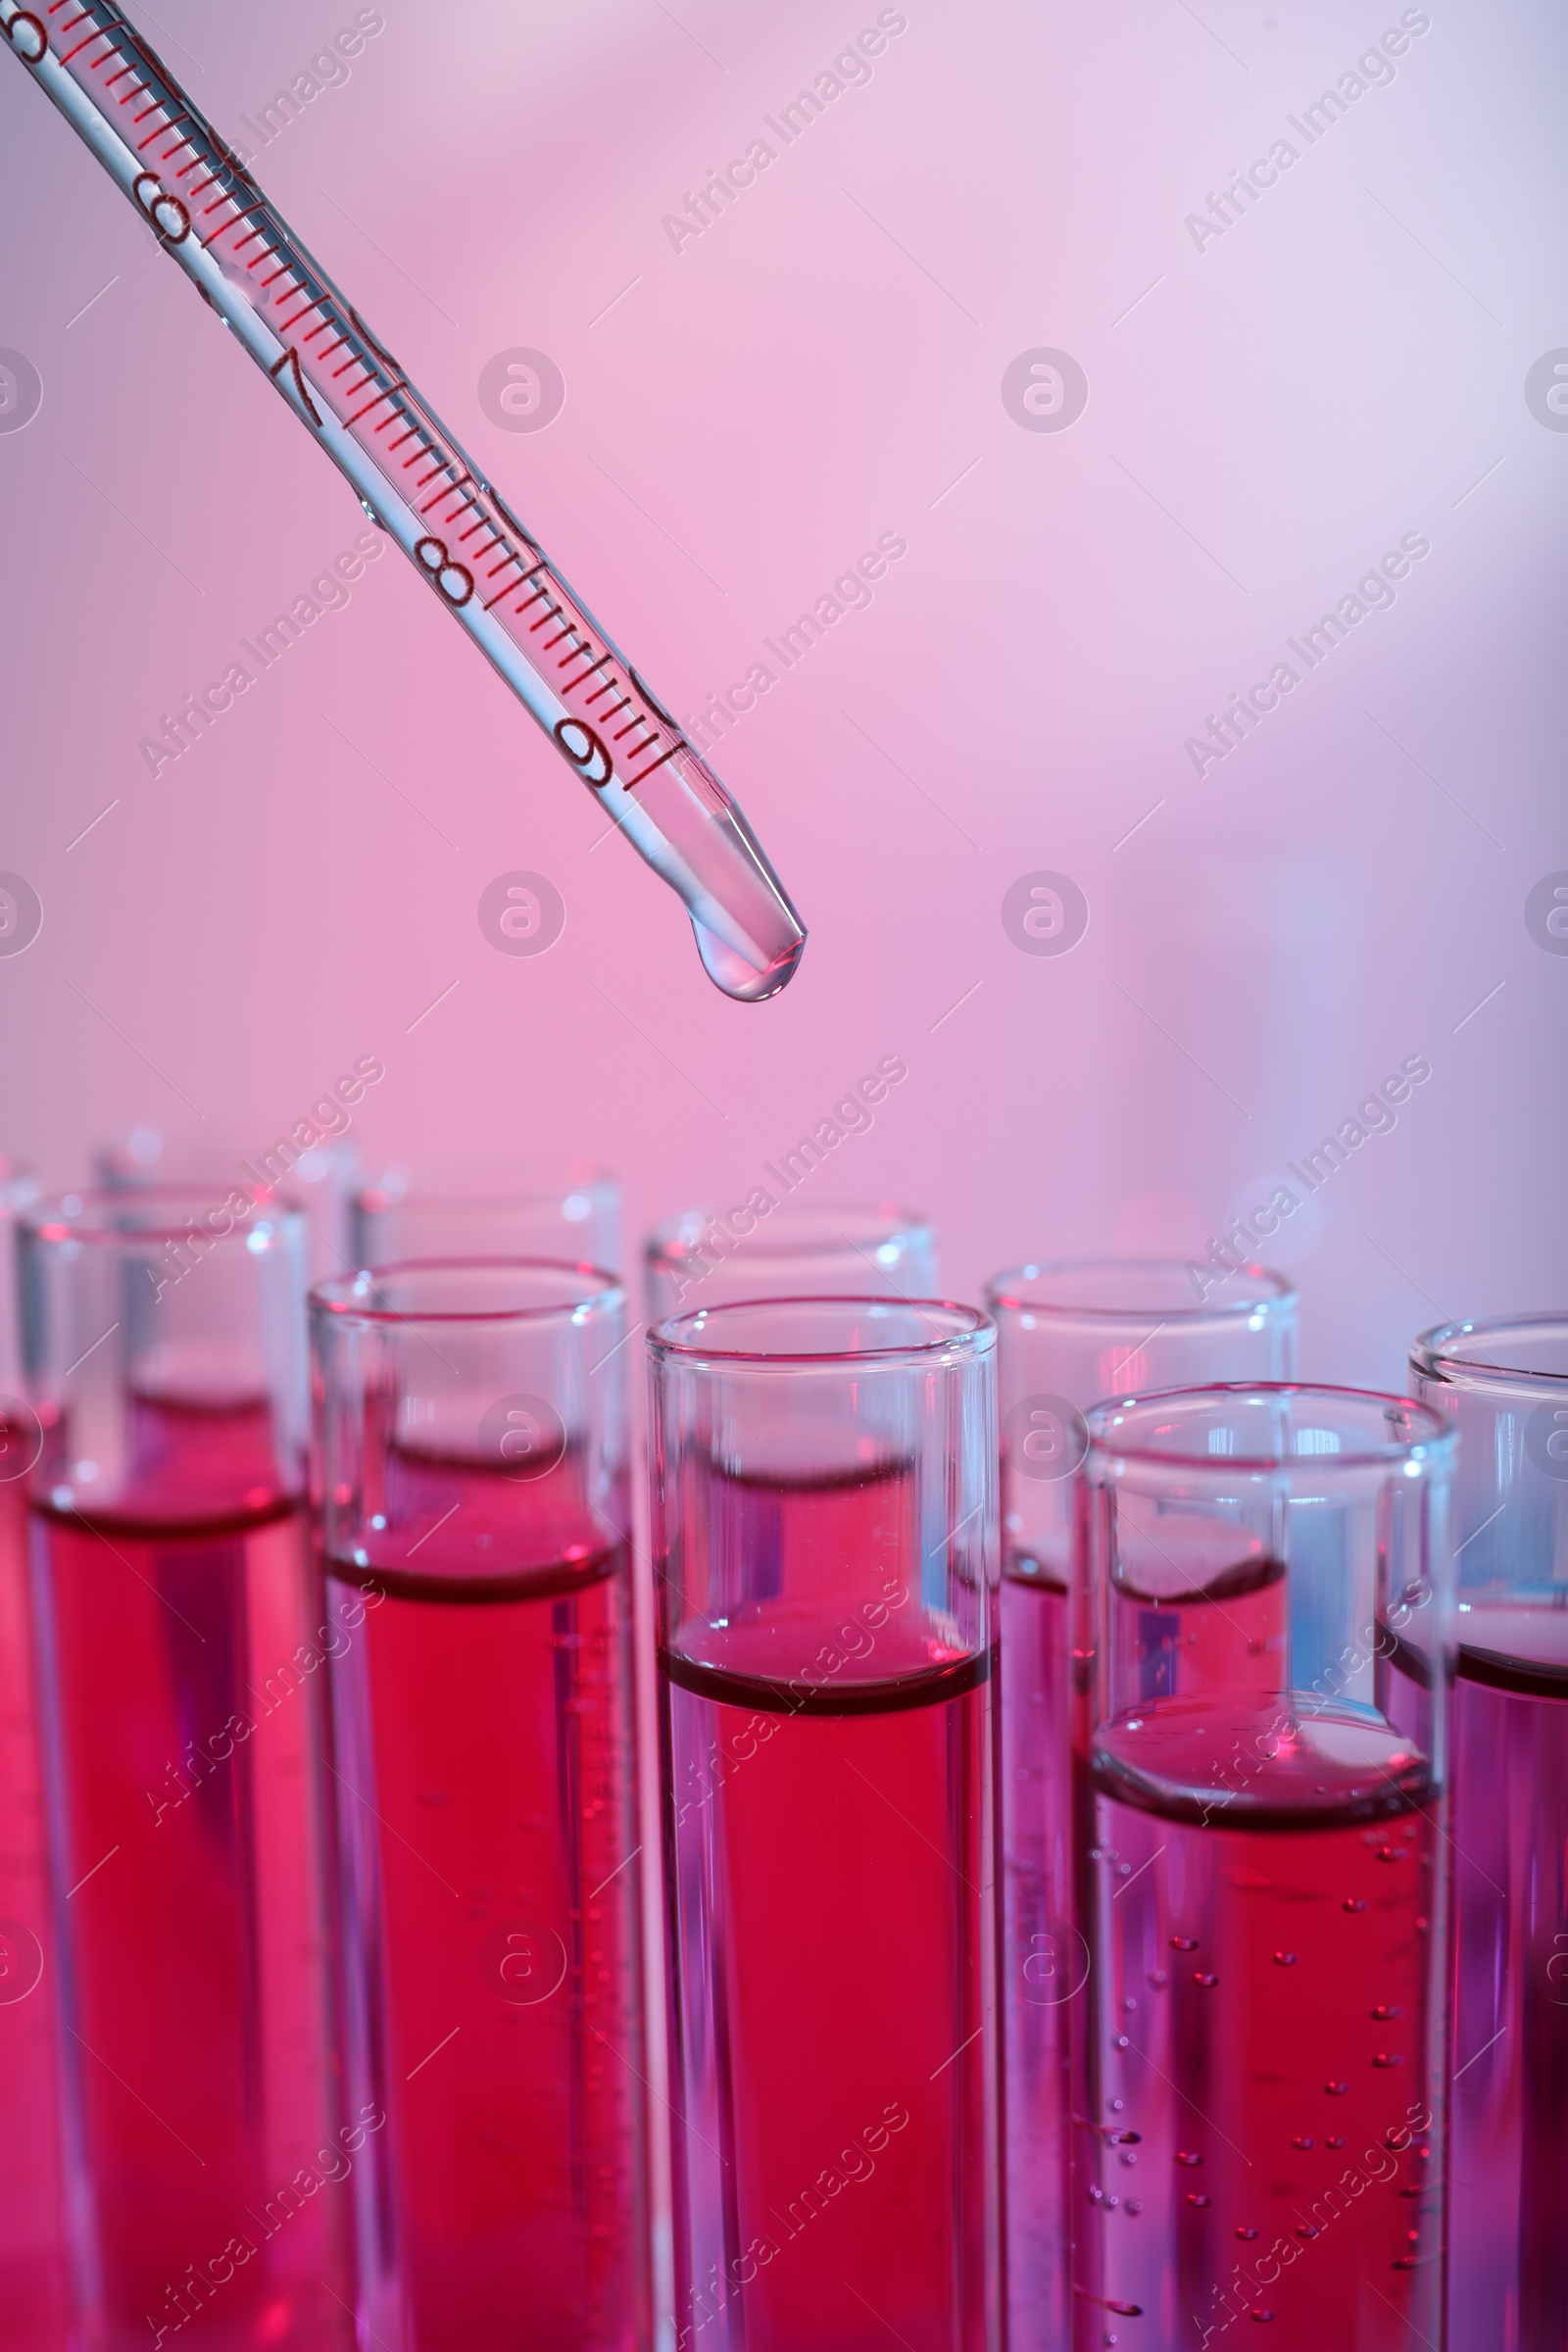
(415, 482)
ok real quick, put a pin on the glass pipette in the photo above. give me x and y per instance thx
(414, 481)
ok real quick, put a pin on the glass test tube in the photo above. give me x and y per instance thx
(319, 1178)
(707, 1256)
(31, 2265)
(825, 1553)
(179, 1629)
(1258, 2064)
(1067, 1336)
(473, 1466)
(566, 1210)
(1504, 1385)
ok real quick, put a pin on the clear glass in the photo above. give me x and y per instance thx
(1067, 1336)
(32, 2248)
(318, 1177)
(472, 1465)
(826, 1555)
(1505, 1387)
(180, 1629)
(710, 1256)
(558, 1210)
(1260, 1855)
(359, 406)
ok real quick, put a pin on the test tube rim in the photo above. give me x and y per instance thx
(1435, 1356)
(1277, 1299)
(498, 1184)
(766, 1239)
(1438, 1440)
(111, 1216)
(970, 1337)
(607, 1296)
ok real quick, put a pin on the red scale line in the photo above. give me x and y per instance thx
(369, 405)
(284, 324)
(119, 76)
(679, 745)
(463, 478)
(491, 601)
(554, 614)
(276, 274)
(450, 491)
(609, 687)
(650, 732)
(402, 437)
(93, 36)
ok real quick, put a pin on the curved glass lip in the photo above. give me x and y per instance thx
(19, 1183)
(1438, 1437)
(480, 1184)
(1271, 1294)
(1436, 1354)
(111, 1216)
(805, 1232)
(591, 1290)
(970, 1333)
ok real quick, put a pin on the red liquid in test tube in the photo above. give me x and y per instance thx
(1504, 1384)
(1066, 1335)
(488, 1862)
(31, 2277)
(827, 1679)
(179, 1633)
(1257, 2093)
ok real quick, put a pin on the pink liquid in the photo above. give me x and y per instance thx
(1508, 2116)
(1255, 2099)
(184, 1738)
(485, 1804)
(1257, 2065)
(1044, 1957)
(31, 2258)
(828, 1779)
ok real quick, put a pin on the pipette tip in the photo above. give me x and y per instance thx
(740, 979)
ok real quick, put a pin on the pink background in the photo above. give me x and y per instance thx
(821, 365)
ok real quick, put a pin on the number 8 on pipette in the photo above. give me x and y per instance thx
(414, 481)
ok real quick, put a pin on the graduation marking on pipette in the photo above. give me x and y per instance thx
(415, 482)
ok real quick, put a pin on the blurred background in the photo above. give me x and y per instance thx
(997, 301)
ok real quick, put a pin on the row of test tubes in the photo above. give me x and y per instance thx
(1015, 1824)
